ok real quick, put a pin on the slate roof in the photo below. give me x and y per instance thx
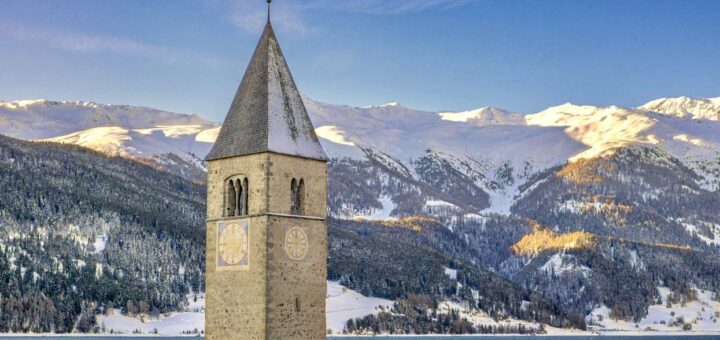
(267, 113)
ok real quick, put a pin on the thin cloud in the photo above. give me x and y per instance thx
(388, 7)
(291, 15)
(87, 43)
(251, 15)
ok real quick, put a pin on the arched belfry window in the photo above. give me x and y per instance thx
(236, 196)
(297, 196)
(301, 197)
(245, 197)
(230, 198)
(293, 196)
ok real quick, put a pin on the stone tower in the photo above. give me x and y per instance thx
(267, 202)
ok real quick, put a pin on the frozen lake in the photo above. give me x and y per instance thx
(509, 337)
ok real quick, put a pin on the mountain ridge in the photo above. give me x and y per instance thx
(686, 107)
(625, 199)
(498, 138)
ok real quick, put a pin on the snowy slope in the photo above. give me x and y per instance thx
(39, 119)
(147, 142)
(405, 133)
(342, 304)
(562, 132)
(605, 128)
(701, 315)
(485, 116)
(484, 144)
(130, 131)
(480, 143)
(602, 130)
(684, 107)
(485, 140)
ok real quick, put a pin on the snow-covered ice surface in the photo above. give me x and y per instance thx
(344, 304)
(175, 324)
(702, 315)
(480, 318)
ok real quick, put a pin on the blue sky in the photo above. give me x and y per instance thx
(524, 55)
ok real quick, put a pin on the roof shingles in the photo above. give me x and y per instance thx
(267, 113)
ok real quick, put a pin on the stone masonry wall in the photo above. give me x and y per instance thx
(278, 297)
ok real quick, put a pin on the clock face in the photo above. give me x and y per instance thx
(232, 243)
(296, 243)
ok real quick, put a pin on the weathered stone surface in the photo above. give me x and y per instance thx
(277, 297)
(270, 281)
(260, 302)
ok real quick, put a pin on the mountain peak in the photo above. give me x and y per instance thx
(21, 103)
(575, 109)
(386, 105)
(485, 116)
(31, 103)
(685, 107)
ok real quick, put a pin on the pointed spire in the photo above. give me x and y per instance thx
(267, 113)
(268, 16)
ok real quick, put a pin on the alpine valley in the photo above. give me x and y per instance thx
(573, 219)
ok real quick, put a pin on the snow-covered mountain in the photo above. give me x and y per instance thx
(40, 118)
(500, 151)
(495, 150)
(603, 130)
(684, 107)
(485, 116)
(176, 142)
(604, 209)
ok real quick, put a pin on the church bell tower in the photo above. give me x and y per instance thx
(266, 207)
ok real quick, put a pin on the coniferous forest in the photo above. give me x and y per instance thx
(59, 204)
(82, 233)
